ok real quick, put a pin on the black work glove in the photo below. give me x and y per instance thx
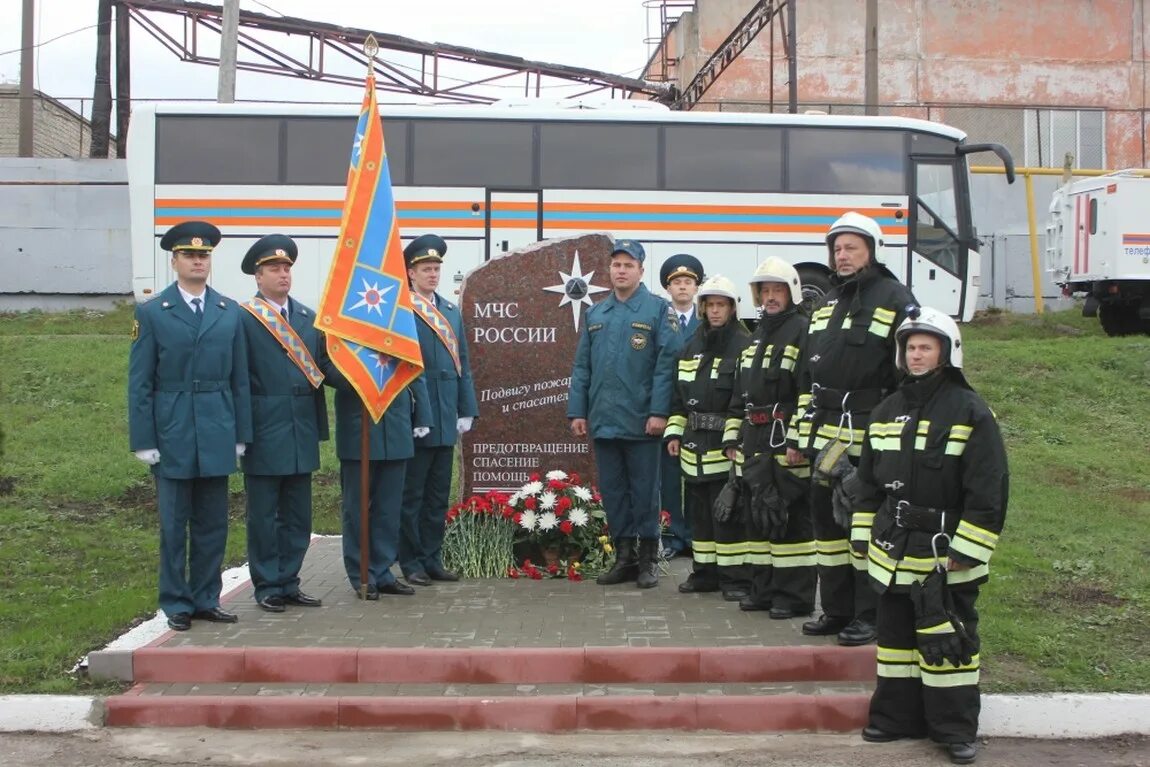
(777, 516)
(726, 506)
(940, 635)
(844, 497)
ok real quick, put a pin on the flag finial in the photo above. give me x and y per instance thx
(370, 47)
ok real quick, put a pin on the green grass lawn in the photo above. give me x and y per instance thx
(1067, 608)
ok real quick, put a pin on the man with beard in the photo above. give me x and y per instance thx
(848, 369)
(782, 542)
(703, 386)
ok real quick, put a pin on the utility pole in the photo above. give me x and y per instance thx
(26, 36)
(102, 94)
(792, 61)
(870, 63)
(229, 45)
(123, 79)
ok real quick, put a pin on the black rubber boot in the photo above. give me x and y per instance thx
(626, 567)
(648, 563)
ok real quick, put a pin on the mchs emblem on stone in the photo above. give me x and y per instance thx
(521, 350)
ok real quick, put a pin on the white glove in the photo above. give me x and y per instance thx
(464, 424)
(241, 448)
(150, 457)
(420, 432)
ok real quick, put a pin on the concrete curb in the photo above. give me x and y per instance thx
(1015, 716)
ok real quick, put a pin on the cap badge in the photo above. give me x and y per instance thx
(197, 241)
(281, 252)
(433, 252)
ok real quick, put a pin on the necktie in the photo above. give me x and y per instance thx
(283, 313)
(682, 322)
(196, 310)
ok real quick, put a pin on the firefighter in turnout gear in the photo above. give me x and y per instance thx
(781, 537)
(703, 386)
(848, 369)
(934, 467)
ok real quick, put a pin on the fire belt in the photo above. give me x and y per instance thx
(847, 400)
(706, 421)
(911, 517)
(761, 416)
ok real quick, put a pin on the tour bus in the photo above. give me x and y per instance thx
(731, 188)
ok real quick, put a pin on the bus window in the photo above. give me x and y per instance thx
(833, 161)
(709, 158)
(934, 185)
(936, 242)
(597, 156)
(478, 153)
(217, 150)
(318, 149)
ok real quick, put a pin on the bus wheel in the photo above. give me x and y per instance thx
(1118, 320)
(816, 285)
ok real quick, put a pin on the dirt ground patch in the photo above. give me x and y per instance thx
(1081, 595)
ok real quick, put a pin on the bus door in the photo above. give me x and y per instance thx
(514, 219)
(936, 256)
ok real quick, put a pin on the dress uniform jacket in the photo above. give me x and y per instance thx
(624, 365)
(763, 403)
(934, 461)
(451, 393)
(388, 440)
(289, 415)
(188, 388)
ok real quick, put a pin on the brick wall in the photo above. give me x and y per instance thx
(57, 130)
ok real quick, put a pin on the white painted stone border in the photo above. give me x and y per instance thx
(1003, 716)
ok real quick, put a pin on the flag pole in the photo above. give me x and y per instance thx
(370, 48)
(364, 499)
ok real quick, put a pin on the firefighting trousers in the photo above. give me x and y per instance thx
(783, 572)
(844, 586)
(720, 550)
(912, 698)
(629, 483)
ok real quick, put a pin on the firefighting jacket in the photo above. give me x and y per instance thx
(701, 397)
(766, 386)
(848, 363)
(933, 462)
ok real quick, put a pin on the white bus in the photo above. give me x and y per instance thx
(730, 188)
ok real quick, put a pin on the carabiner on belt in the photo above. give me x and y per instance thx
(777, 427)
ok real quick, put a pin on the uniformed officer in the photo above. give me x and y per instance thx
(391, 446)
(680, 275)
(934, 467)
(189, 418)
(451, 395)
(704, 383)
(621, 394)
(848, 370)
(287, 358)
(782, 552)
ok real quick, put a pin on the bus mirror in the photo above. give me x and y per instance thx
(1002, 152)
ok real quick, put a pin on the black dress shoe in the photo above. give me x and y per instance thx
(215, 615)
(749, 605)
(697, 586)
(180, 622)
(300, 599)
(859, 632)
(372, 594)
(825, 626)
(441, 574)
(734, 595)
(961, 753)
(784, 613)
(272, 604)
(872, 734)
(396, 589)
(418, 579)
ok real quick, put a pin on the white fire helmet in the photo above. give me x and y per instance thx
(865, 227)
(927, 320)
(716, 285)
(775, 269)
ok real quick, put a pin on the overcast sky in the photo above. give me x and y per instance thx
(599, 34)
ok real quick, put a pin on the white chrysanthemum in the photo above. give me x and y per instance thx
(514, 499)
(548, 521)
(531, 488)
(556, 474)
(528, 520)
(579, 517)
(581, 493)
(548, 500)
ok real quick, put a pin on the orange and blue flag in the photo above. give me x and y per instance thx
(366, 308)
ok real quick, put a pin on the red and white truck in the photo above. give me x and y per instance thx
(1098, 246)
